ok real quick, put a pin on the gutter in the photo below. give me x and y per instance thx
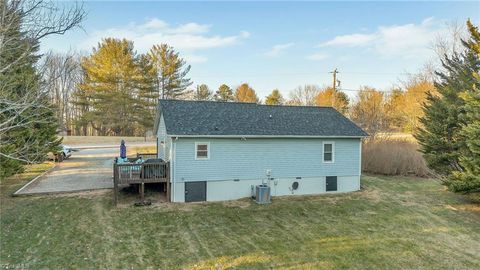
(268, 136)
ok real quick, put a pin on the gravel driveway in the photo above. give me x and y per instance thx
(86, 169)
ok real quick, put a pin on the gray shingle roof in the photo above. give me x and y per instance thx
(208, 118)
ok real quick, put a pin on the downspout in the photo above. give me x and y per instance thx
(172, 167)
(360, 165)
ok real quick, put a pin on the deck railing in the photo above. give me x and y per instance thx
(146, 156)
(132, 173)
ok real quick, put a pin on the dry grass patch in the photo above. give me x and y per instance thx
(231, 262)
(150, 149)
(393, 157)
(86, 140)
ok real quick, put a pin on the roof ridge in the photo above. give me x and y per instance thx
(207, 101)
(247, 103)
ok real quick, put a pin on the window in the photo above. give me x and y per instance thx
(328, 152)
(202, 150)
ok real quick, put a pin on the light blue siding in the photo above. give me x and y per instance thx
(249, 159)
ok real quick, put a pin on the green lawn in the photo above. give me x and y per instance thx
(393, 223)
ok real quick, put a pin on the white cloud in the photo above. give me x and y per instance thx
(192, 28)
(349, 40)
(408, 40)
(187, 38)
(318, 56)
(192, 58)
(278, 49)
(244, 34)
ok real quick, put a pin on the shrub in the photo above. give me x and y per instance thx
(393, 157)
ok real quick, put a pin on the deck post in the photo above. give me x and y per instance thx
(167, 180)
(142, 192)
(115, 184)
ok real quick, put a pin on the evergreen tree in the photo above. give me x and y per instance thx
(245, 93)
(468, 179)
(441, 141)
(146, 103)
(111, 87)
(203, 92)
(171, 71)
(224, 93)
(275, 98)
(28, 123)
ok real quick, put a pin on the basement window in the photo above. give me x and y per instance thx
(328, 152)
(202, 150)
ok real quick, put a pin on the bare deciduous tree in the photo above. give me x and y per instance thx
(369, 111)
(61, 74)
(304, 95)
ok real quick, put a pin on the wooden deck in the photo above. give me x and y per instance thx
(132, 173)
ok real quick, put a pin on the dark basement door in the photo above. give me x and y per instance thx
(331, 183)
(195, 191)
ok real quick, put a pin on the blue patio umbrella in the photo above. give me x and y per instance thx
(123, 149)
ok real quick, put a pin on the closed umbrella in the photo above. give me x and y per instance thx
(123, 150)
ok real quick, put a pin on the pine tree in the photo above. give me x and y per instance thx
(224, 93)
(245, 93)
(146, 103)
(171, 71)
(468, 179)
(202, 92)
(275, 98)
(111, 87)
(440, 138)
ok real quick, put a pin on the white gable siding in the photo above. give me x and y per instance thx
(163, 149)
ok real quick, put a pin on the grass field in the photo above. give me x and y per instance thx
(87, 140)
(393, 223)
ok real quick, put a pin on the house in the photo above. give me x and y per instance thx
(221, 150)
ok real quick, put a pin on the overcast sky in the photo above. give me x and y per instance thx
(278, 45)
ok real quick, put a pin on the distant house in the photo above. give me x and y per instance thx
(221, 150)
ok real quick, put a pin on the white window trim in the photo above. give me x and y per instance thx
(208, 151)
(333, 151)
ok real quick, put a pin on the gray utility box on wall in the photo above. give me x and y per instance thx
(262, 194)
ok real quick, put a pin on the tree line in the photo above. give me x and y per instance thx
(114, 91)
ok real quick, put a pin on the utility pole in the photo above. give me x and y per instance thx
(334, 72)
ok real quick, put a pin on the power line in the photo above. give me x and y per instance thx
(382, 91)
(300, 73)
